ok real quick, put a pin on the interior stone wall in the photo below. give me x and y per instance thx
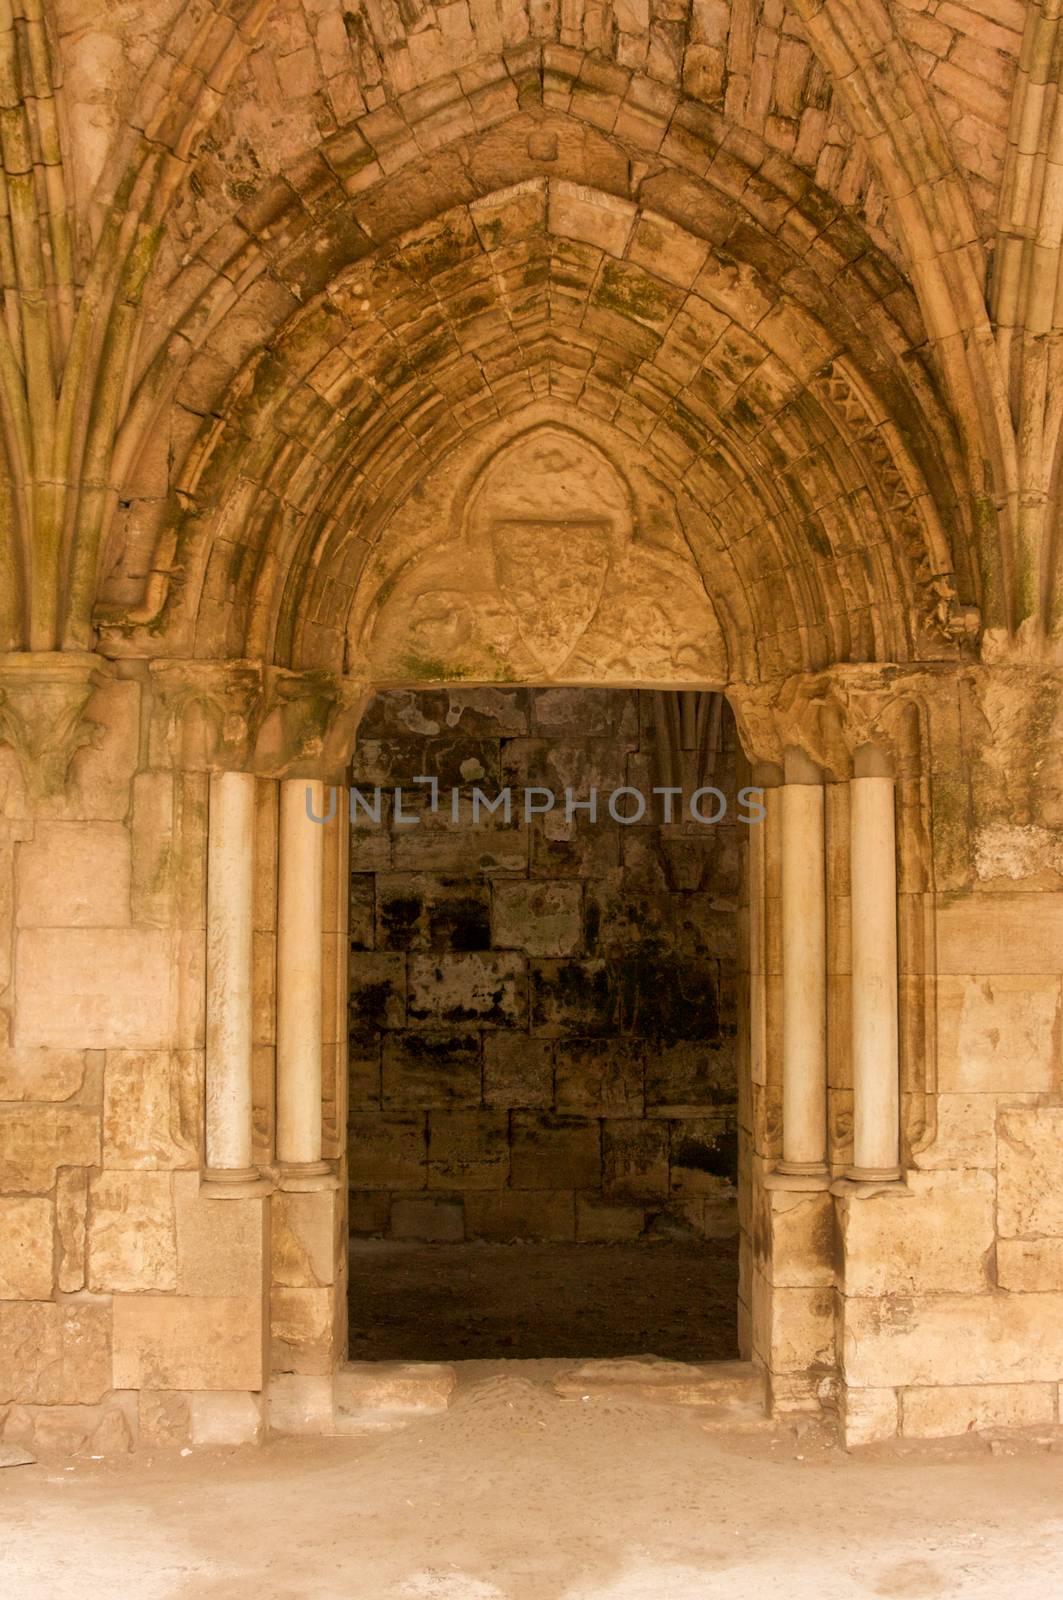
(542, 1014)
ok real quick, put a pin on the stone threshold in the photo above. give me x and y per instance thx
(382, 1396)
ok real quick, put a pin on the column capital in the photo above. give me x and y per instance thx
(249, 716)
(828, 716)
(44, 697)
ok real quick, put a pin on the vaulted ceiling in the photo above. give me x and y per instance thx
(266, 263)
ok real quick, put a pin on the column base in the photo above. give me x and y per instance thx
(861, 1182)
(234, 1183)
(874, 1174)
(799, 1176)
(307, 1177)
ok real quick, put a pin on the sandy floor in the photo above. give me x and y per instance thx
(462, 1302)
(514, 1495)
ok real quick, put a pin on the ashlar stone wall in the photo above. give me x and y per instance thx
(542, 1014)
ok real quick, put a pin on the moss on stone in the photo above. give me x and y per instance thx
(634, 294)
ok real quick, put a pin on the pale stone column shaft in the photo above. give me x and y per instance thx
(804, 970)
(876, 1067)
(763, 847)
(299, 973)
(230, 882)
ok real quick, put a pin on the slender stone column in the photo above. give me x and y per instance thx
(230, 878)
(804, 971)
(299, 980)
(873, 882)
(763, 845)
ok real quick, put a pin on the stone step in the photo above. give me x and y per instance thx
(736, 1416)
(376, 1396)
(723, 1385)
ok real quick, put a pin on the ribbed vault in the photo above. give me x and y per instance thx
(728, 323)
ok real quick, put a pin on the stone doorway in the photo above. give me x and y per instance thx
(544, 1124)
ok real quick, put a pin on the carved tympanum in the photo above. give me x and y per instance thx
(546, 573)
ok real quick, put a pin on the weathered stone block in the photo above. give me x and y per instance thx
(377, 1390)
(93, 988)
(703, 1154)
(300, 1403)
(71, 1224)
(870, 1415)
(926, 1340)
(60, 1432)
(793, 1329)
(602, 1076)
(539, 917)
(1028, 1265)
(488, 847)
(54, 1355)
(936, 1239)
(950, 1411)
(38, 1074)
(573, 997)
(625, 916)
(35, 1143)
(188, 1342)
(999, 1033)
(966, 1133)
(301, 1329)
(1030, 1197)
(431, 1070)
(580, 849)
(304, 1234)
(634, 1159)
(718, 1216)
(483, 989)
(27, 1263)
(218, 1418)
(468, 1149)
(377, 991)
(363, 1075)
(164, 1418)
(74, 875)
(1000, 933)
(388, 1152)
(221, 1245)
(361, 910)
(508, 1214)
(155, 867)
(517, 1070)
(795, 1238)
(428, 1217)
(420, 911)
(704, 930)
(131, 1232)
(690, 1075)
(554, 1152)
(151, 1108)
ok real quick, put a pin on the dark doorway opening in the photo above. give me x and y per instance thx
(543, 1127)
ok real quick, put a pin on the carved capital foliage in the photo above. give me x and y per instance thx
(829, 715)
(43, 701)
(245, 716)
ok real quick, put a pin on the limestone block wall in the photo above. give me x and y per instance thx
(123, 1295)
(950, 1295)
(951, 1299)
(543, 1015)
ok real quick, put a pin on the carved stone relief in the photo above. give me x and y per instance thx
(545, 572)
(43, 703)
(240, 715)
